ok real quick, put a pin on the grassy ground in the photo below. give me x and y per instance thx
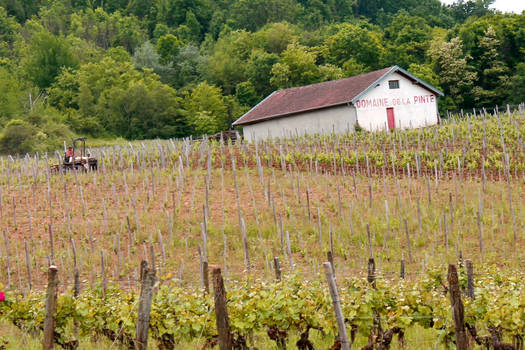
(416, 339)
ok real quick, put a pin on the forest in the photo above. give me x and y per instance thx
(139, 69)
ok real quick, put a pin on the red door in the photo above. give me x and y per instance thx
(390, 117)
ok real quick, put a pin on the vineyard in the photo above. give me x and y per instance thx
(389, 211)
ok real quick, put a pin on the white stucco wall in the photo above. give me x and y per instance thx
(339, 119)
(413, 105)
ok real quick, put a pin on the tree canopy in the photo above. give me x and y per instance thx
(171, 68)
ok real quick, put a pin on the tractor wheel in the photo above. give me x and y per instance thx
(80, 168)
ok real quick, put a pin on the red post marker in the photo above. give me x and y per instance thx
(2, 296)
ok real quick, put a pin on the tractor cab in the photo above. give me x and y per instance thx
(80, 144)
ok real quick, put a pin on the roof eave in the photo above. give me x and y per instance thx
(277, 116)
(238, 121)
(374, 84)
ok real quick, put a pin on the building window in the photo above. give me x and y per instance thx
(393, 84)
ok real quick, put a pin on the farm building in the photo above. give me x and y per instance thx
(385, 99)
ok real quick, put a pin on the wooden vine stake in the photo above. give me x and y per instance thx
(28, 265)
(76, 274)
(458, 312)
(343, 337)
(103, 274)
(146, 296)
(480, 233)
(204, 267)
(330, 257)
(277, 266)
(221, 310)
(289, 250)
(470, 278)
(371, 277)
(402, 267)
(245, 246)
(51, 307)
(408, 241)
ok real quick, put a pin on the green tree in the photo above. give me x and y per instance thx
(276, 37)
(22, 10)
(281, 76)
(146, 111)
(140, 8)
(168, 47)
(47, 55)
(377, 10)
(187, 66)
(259, 71)
(160, 30)
(317, 12)
(9, 30)
(461, 9)
(493, 84)
(195, 28)
(456, 76)
(116, 97)
(63, 94)
(246, 94)
(408, 38)
(226, 67)
(425, 73)
(96, 80)
(11, 96)
(357, 42)
(233, 109)
(18, 137)
(207, 111)
(174, 12)
(146, 57)
(119, 54)
(351, 68)
(108, 29)
(297, 67)
(254, 14)
(518, 85)
(330, 72)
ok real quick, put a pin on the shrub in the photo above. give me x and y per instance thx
(18, 137)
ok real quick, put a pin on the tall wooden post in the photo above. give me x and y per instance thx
(76, 274)
(470, 278)
(277, 266)
(103, 274)
(458, 312)
(330, 257)
(28, 265)
(205, 277)
(51, 307)
(372, 272)
(343, 336)
(408, 241)
(221, 310)
(146, 296)
(402, 272)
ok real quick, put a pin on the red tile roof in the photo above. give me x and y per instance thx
(311, 97)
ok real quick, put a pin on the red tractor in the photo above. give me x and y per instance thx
(77, 159)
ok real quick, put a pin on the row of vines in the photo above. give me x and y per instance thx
(482, 143)
(278, 308)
